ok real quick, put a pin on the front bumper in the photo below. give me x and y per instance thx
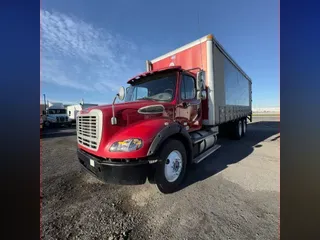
(127, 173)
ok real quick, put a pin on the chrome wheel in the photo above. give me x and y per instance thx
(173, 166)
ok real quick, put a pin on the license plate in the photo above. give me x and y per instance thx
(91, 162)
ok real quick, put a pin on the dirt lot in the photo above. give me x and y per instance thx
(233, 194)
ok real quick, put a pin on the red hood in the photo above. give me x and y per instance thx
(126, 105)
(127, 115)
(128, 112)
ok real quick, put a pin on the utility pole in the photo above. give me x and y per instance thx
(44, 101)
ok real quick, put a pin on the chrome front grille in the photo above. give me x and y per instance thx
(61, 119)
(89, 128)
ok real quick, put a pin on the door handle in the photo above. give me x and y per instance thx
(186, 104)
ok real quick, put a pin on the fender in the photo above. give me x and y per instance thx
(168, 131)
(146, 130)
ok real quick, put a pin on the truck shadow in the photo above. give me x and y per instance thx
(232, 151)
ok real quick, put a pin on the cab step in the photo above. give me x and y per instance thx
(206, 153)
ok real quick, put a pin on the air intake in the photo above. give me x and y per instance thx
(154, 109)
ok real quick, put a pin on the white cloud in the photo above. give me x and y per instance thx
(78, 55)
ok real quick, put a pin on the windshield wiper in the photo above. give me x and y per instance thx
(146, 98)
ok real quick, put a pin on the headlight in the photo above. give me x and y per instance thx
(51, 119)
(128, 145)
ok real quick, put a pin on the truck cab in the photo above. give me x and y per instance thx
(173, 88)
(151, 133)
(55, 115)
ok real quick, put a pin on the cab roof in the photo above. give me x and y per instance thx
(160, 70)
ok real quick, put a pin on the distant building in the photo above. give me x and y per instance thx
(266, 110)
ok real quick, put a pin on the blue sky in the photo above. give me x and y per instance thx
(90, 48)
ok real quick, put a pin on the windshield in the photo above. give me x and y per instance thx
(157, 88)
(57, 111)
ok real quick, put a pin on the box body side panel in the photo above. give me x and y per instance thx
(192, 57)
(229, 89)
(232, 90)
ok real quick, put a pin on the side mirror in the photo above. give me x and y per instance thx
(43, 112)
(121, 93)
(201, 80)
(202, 95)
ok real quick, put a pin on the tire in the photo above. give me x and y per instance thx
(168, 179)
(47, 124)
(244, 127)
(237, 129)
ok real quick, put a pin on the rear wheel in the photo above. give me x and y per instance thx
(172, 166)
(238, 129)
(244, 126)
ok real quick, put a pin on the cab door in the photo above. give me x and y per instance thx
(189, 109)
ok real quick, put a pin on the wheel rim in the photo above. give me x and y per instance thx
(173, 166)
(244, 126)
(240, 128)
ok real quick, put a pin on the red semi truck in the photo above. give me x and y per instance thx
(170, 117)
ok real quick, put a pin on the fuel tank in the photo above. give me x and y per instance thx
(204, 139)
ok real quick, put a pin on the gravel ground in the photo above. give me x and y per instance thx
(233, 194)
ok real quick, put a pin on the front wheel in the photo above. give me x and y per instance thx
(47, 124)
(171, 168)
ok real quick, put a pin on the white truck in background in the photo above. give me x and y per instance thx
(54, 115)
(72, 110)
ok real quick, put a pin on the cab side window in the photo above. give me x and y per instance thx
(188, 88)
